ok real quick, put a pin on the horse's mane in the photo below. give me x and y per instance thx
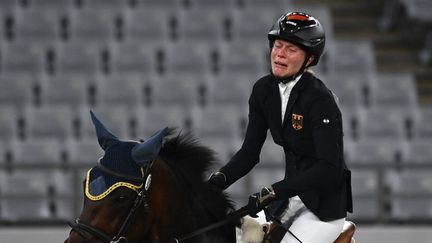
(190, 162)
(185, 153)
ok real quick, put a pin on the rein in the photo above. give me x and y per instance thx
(239, 213)
(81, 227)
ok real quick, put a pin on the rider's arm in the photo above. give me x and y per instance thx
(248, 155)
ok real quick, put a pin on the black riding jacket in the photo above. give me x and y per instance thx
(312, 138)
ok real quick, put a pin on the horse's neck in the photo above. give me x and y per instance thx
(170, 209)
(177, 208)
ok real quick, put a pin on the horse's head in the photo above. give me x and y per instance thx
(146, 192)
(117, 190)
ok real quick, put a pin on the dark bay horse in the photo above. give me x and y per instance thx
(154, 191)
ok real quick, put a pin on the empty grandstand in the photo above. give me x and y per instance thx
(184, 63)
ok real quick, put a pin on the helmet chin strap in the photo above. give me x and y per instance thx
(285, 80)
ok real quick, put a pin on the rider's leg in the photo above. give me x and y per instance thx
(307, 228)
(261, 218)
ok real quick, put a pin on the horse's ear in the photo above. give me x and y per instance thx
(105, 137)
(144, 152)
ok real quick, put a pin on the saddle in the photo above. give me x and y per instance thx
(275, 233)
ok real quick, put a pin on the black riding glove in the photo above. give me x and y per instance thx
(259, 200)
(218, 179)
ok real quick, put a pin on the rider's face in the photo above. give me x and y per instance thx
(286, 58)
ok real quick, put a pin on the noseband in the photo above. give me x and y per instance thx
(85, 230)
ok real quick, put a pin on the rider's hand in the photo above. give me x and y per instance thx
(259, 200)
(218, 179)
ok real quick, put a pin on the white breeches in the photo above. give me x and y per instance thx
(306, 227)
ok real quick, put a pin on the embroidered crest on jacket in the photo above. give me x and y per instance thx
(297, 121)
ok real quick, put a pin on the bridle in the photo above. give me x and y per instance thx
(84, 229)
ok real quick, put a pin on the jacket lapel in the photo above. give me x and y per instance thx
(301, 85)
(293, 97)
(276, 104)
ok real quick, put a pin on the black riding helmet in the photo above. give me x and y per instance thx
(300, 29)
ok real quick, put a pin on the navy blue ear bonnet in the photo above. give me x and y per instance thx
(117, 158)
(123, 157)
